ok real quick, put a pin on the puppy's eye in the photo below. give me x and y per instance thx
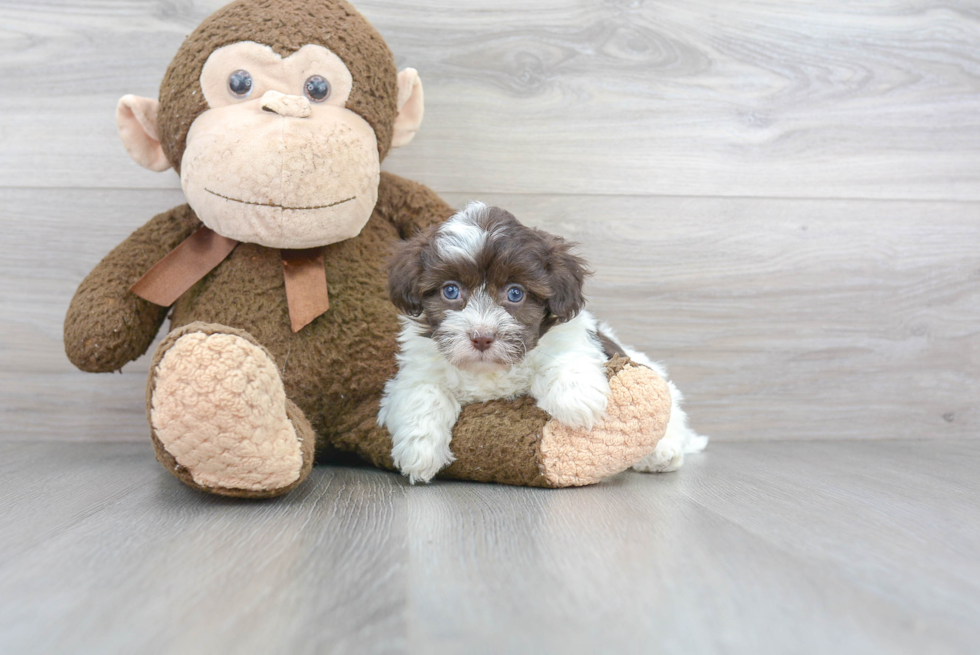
(317, 89)
(450, 292)
(240, 83)
(515, 294)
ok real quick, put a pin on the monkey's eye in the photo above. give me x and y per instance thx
(515, 294)
(450, 292)
(317, 89)
(240, 83)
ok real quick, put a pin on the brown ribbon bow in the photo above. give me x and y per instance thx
(200, 253)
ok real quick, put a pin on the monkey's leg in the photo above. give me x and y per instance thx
(220, 418)
(515, 442)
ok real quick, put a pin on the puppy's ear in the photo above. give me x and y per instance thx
(567, 272)
(405, 276)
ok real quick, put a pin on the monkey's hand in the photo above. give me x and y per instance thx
(107, 325)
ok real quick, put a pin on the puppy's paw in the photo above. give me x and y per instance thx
(577, 403)
(677, 440)
(667, 456)
(420, 458)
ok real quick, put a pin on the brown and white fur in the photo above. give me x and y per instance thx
(494, 309)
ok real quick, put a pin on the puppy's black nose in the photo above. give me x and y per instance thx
(482, 343)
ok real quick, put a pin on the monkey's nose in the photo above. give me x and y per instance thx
(481, 343)
(287, 106)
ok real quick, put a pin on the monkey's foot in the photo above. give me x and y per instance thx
(636, 419)
(220, 418)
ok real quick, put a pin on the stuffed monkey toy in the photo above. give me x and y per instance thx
(277, 115)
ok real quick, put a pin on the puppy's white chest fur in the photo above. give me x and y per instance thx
(564, 372)
(422, 362)
(483, 286)
(486, 383)
(566, 344)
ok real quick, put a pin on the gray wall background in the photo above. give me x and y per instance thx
(781, 199)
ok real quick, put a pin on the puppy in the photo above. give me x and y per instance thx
(494, 309)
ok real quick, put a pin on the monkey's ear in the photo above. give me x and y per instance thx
(411, 108)
(137, 121)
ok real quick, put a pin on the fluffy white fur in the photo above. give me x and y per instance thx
(565, 373)
(480, 316)
(460, 237)
(679, 439)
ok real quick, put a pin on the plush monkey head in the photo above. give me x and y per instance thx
(277, 114)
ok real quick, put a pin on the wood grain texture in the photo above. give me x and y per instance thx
(779, 319)
(792, 319)
(711, 157)
(747, 98)
(772, 548)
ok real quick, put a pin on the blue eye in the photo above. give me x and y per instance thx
(515, 295)
(451, 292)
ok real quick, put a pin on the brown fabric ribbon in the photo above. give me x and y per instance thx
(200, 253)
(306, 285)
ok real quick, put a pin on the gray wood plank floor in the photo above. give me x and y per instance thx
(840, 547)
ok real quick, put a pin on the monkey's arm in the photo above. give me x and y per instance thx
(107, 325)
(410, 206)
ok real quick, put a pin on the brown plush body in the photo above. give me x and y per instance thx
(333, 370)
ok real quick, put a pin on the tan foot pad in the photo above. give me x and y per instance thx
(218, 407)
(637, 414)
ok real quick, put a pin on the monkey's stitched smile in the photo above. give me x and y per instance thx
(269, 204)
